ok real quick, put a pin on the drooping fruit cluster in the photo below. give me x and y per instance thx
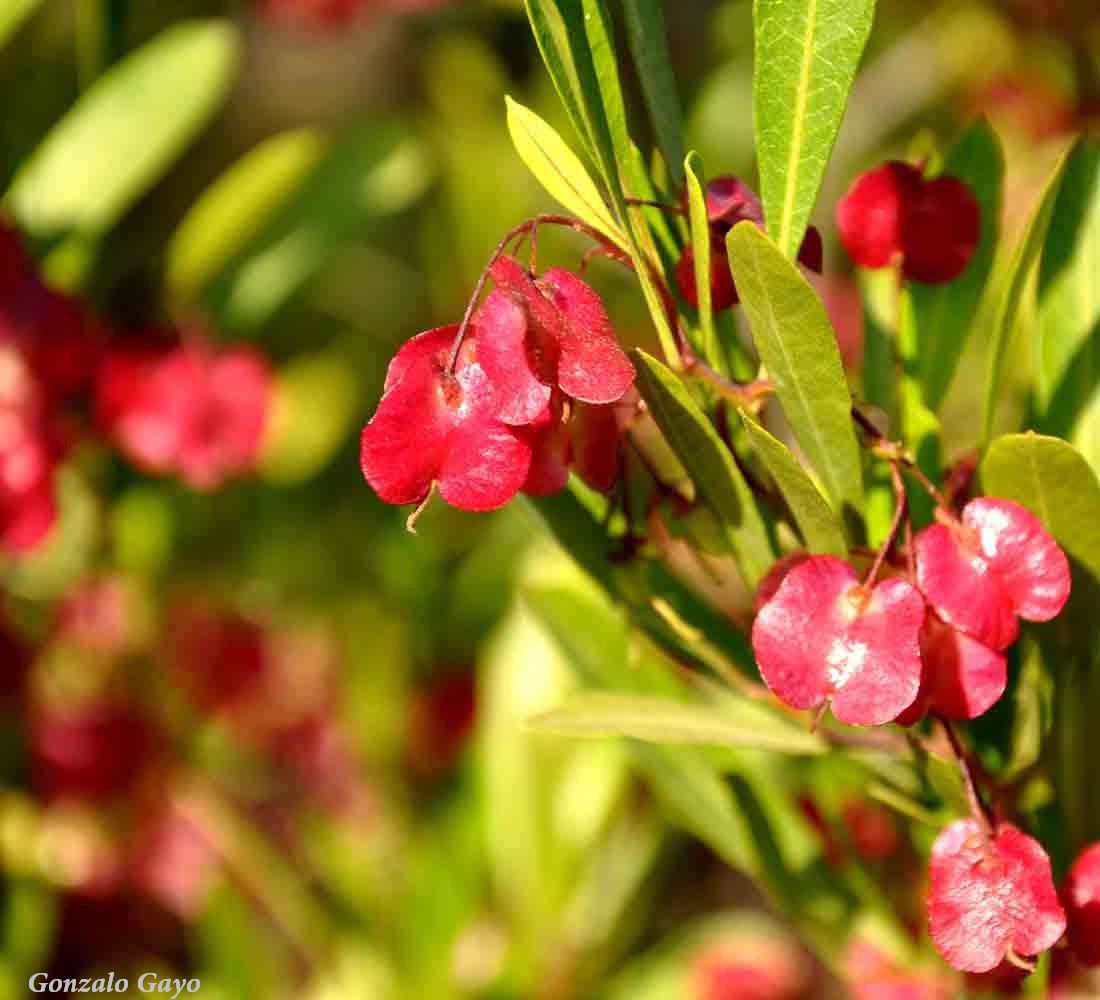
(184, 409)
(730, 201)
(901, 648)
(931, 639)
(512, 402)
(892, 215)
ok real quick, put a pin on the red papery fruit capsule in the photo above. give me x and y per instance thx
(825, 637)
(991, 895)
(435, 425)
(996, 564)
(536, 335)
(960, 677)
(1081, 895)
(892, 214)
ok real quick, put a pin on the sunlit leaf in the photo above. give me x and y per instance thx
(806, 54)
(126, 130)
(817, 522)
(1069, 308)
(797, 344)
(558, 169)
(1011, 294)
(710, 464)
(700, 248)
(234, 209)
(945, 313)
(13, 13)
(660, 720)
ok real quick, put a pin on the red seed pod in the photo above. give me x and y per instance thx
(997, 563)
(960, 677)
(433, 425)
(991, 896)
(560, 337)
(892, 214)
(823, 636)
(1081, 895)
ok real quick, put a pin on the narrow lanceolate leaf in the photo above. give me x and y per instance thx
(806, 54)
(1069, 308)
(126, 130)
(237, 206)
(945, 313)
(13, 13)
(1012, 293)
(710, 464)
(558, 169)
(700, 248)
(1051, 479)
(645, 25)
(817, 522)
(664, 721)
(797, 344)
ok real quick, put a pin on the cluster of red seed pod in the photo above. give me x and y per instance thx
(510, 401)
(173, 405)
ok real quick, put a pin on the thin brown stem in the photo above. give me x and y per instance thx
(901, 503)
(895, 451)
(978, 809)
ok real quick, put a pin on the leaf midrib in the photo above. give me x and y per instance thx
(801, 100)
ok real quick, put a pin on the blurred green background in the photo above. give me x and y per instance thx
(325, 191)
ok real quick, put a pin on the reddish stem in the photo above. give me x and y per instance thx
(523, 229)
(901, 502)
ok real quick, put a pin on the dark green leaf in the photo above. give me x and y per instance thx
(817, 522)
(806, 54)
(798, 347)
(645, 25)
(945, 313)
(709, 463)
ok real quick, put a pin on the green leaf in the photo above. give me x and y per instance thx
(945, 312)
(1012, 292)
(710, 464)
(13, 13)
(126, 130)
(645, 26)
(817, 522)
(1069, 308)
(700, 247)
(797, 344)
(367, 176)
(1052, 480)
(557, 169)
(806, 54)
(237, 206)
(663, 721)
